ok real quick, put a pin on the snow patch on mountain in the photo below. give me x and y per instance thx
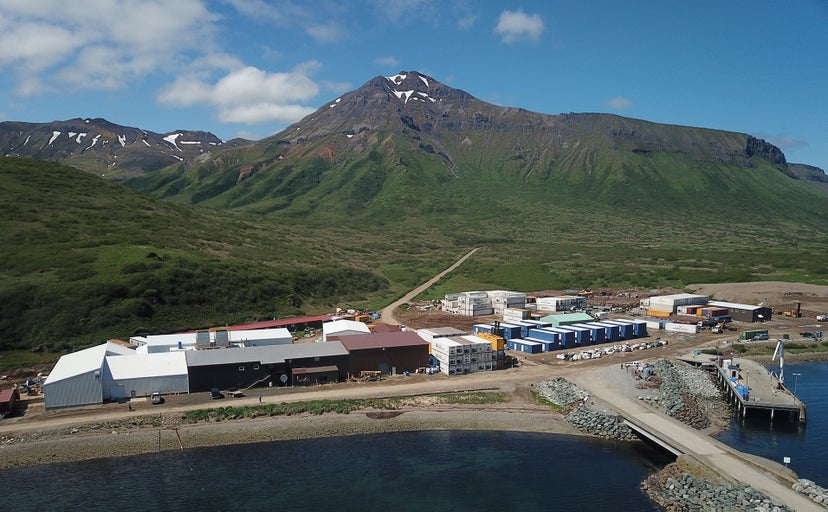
(122, 140)
(171, 139)
(55, 135)
(396, 79)
(94, 141)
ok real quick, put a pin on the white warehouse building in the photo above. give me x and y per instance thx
(77, 378)
(143, 374)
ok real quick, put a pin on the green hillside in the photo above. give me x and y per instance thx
(86, 260)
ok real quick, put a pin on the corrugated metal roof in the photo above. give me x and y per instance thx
(147, 365)
(733, 305)
(382, 340)
(436, 332)
(336, 326)
(84, 361)
(273, 354)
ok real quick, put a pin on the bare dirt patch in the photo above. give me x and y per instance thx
(775, 294)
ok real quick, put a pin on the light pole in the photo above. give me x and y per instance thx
(795, 380)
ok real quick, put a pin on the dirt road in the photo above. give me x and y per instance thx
(388, 313)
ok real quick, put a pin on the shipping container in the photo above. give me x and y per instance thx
(625, 329)
(658, 314)
(548, 346)
(749, 335)
(613, 331)
(686, 328)
(598, 334)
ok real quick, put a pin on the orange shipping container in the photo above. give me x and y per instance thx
(658, 314)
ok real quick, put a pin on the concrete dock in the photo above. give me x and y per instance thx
(765, 394)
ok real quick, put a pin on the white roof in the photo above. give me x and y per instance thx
(336, 326)
(147, 365)
(84, 361)
(260, 334)
(733, 305)
(446, 342)
(266, 355)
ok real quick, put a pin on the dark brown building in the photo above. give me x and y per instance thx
(388, 352)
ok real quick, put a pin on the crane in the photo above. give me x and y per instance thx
(780, 349)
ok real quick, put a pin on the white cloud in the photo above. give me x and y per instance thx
(467, 22)
(619, 103)
(389, 62)
(516, 25)
(326, 32)
(103, 44)
(248, 95)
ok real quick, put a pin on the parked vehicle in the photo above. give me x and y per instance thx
(215, 394)
(156, 399)
(807, 334)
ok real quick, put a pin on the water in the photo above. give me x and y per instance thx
(807, 446)
(422, 471)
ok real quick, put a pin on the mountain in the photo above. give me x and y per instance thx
(409, 144)
(105, 148)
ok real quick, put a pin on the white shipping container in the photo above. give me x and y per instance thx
(675, 327)
(653, 324)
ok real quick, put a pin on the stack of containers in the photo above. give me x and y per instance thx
(449, 353)
(502, 300)
(515, 314)
(479, 356)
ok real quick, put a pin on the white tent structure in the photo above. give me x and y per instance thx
(143, 374)
(343, 328)
(76, 379)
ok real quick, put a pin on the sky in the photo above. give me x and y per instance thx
(250, 68)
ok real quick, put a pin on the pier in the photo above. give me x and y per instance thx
(754, 389)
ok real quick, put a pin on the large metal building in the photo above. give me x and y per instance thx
(343, 328)
(144, 374)
(390, 352)
(260, 366)
(745, 312)
(77, 378)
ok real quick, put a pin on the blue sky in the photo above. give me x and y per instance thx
(251, 67)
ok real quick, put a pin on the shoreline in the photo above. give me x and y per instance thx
(130, 437)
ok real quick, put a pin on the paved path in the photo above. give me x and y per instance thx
(717, 455)
(388, 313)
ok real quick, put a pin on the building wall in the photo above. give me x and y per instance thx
(81, 389)
(226, 376)
(401, 358)
(145, 386)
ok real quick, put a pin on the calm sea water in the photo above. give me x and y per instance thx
(410, 471)
(807, 446)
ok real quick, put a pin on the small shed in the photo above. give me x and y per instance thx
(8, 399)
